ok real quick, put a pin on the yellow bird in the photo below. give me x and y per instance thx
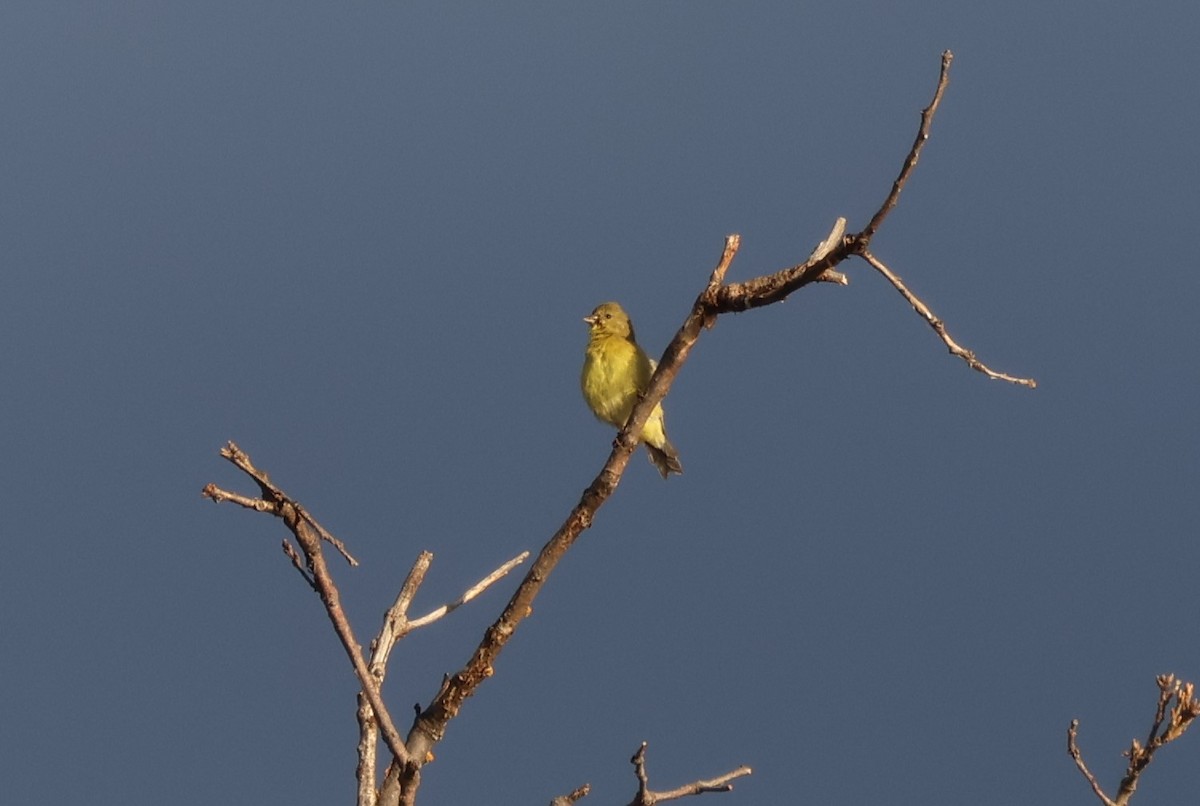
(616, 372)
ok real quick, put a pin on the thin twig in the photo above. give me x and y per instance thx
(476, 589)
(272, 496)
(1165, 693)
(1073, 749)
(914, 154)
(292, 554)
(326, 535)
(397, 624)
(939, 326)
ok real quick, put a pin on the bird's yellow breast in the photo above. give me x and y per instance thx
(614, 373)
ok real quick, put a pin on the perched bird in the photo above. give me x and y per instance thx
(616, 372)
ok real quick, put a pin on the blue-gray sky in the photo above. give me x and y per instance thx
(358, 238)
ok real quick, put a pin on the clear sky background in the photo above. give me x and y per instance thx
(358, 238)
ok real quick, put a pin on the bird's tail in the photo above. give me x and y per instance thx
(665, 459)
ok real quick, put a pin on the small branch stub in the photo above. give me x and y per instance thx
(573, 797)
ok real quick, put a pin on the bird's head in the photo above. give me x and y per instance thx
(609, 319)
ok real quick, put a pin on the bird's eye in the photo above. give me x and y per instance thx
(608, 316)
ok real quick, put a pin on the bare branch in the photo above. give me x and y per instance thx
(324, 533)
(290, 551)
(331, 598)
(272, 496)
(859, 244)
(1073, 749)
(646, 797)
(395, 626)
(396, 623)
(1180, 715)
(1165, 693)
(308, 536)
(914, 154)
(476, 589)
(771, 288)
(219, 495)
(1178, 718)
(373, 716)
(395, 619)
(939, 326)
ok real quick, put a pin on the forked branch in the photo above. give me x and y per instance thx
(647, 797)
(308, 536)
(374, 718)
(1176, 710)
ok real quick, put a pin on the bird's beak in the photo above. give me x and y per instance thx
(591, 320)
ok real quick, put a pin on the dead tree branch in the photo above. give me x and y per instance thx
(1178, 717)
(1073, 749)
(914, 154)
(939, 326)
(646, 797)
(308, 533)
(717, 298)
(396, 625)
